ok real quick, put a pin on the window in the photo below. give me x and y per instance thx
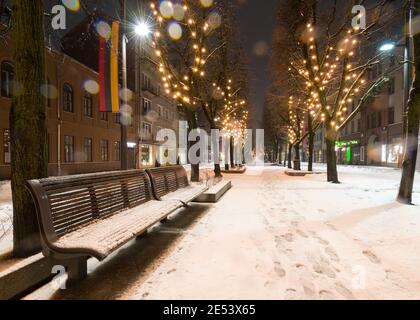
(391, 115)
(104, 150)
(391, 86)
(104, 116)
(380, 69)
(87, 104)
(87, 149)
(68, 98)
(362, 154)
(146, 129)
(68, 149)
(7, 77)
(6, 146)
(160, 110)
(392, 60)
(145, 80)
(117, 118)
(145, 155)
(117, 151)
(146, 106)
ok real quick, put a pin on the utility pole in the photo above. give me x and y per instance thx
(123, 122)
(408, 62)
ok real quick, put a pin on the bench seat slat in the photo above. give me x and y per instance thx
(104, 236)
(171, 183)
(187, 194)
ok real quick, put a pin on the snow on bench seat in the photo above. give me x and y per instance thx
(171, 183)
(187, 194)
(103, 236)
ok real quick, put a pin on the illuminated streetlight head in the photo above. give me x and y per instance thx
(387, 47)
(142, 29)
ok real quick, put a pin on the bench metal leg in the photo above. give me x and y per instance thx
(76, 269)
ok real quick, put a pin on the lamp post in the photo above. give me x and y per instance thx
(408, 61)
(142, 30)
(124, 147)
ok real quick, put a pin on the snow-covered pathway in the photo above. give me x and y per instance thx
(276, 237)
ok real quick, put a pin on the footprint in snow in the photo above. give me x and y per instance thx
(279, 270)
(332, 254)
(302, 233)
(372, 257)
(326, 295)
(291, 294)
(344, 291)
(324, 269)
(288, 237)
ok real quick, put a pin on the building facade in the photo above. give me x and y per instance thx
(82, 139)
(158, 111)
(375, 135)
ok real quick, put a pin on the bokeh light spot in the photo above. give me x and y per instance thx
(73, 5)
(175, 31)
(126, 95)
(49, 91)
(91, 86)
(206, 3)
(179, 13)
(166, 9)
(214, 20)
(261, 48)
(103, 29)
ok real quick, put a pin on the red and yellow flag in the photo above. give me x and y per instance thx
(109, 100)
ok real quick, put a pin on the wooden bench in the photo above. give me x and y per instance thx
(171, 183)
(93, 215)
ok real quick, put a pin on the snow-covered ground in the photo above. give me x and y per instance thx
(274, 237)
(6, 212)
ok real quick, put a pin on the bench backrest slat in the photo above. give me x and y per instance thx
(71, 202)
(168, 179)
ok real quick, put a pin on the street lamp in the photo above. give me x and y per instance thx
(387, 46)
(142, 29)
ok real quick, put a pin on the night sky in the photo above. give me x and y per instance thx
(257, 19)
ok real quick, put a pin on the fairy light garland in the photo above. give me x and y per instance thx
(320, 76)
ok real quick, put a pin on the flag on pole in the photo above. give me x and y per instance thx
(115, 97)
(109, 100)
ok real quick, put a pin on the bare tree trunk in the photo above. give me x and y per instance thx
(296, 162)
(27, 122)
(232, 149)
(289, 156)
(412, 139)
(280, 153)
(217, 170)
(311, 150)
(332, 174)
(195, 172)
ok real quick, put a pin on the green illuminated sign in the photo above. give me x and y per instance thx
(344, 144)
(348, 154)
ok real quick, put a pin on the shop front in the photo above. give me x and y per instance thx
(348, 152)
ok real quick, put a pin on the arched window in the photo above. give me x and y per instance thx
(68, 98)
(87, 104)
(7, 77)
